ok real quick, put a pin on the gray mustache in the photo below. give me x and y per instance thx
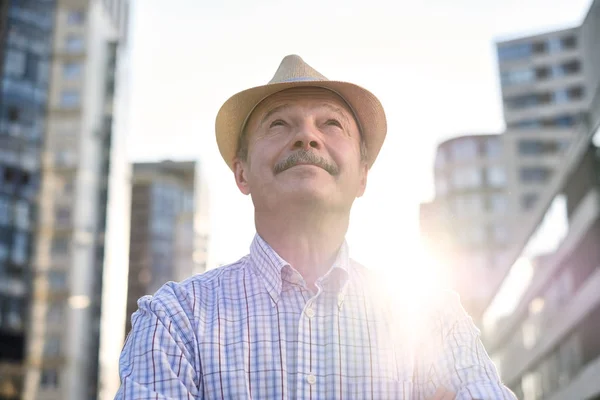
(306, 157)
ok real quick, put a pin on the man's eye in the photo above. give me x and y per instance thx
(334, 122)
(277, 122)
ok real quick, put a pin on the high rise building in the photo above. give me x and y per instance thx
(25, 51)
(80, 261)
(169, 227)
(548, 81)
(542, 80)
(542, 325)
(484, 185)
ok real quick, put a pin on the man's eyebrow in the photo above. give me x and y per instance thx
(337, 110)
(272, 111)
(330, 107)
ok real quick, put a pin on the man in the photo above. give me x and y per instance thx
(296, 318)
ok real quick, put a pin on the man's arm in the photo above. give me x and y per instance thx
(159, 359)
(454, 357)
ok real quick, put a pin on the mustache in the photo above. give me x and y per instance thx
(306, 157)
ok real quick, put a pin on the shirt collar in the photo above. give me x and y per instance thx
(270, 266)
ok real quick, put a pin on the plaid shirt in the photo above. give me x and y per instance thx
(253, 330)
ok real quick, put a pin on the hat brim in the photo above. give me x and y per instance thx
(235, 111)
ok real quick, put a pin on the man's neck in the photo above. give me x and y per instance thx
(310, 243)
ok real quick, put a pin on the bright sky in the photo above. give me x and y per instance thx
(432, 63)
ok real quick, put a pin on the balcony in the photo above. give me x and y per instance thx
(582, 220)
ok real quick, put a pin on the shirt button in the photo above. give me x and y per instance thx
(310, 312)
(311, 379)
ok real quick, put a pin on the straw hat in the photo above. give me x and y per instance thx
(294, 72)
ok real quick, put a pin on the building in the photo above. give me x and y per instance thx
(547, 83)
(542, 325)
(169, 227)
(79, 264)
(25, 51)
(484, 184)
(542, 80)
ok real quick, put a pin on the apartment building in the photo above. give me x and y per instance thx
(81, 248)
(484, 184)
(542, 80)
(169, 227)
(542, 326)
(25, 51)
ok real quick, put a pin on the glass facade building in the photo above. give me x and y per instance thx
(25, 49)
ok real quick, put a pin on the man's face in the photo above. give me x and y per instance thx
(303, 146)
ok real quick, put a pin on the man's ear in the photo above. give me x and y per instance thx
(364, 173)
(240, 172)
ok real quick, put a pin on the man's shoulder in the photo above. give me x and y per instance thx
(213, 277)
(199, 286)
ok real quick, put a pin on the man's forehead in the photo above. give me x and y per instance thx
(301, 97)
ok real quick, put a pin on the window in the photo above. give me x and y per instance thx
(75, 17)
(528, 200)
(569, 42)
(3, 253)
(69, 99)
(14, 313)
(561, 96)
(60, 247)
(498, 203)
(20, 247)
(493, 147)
(15, 63)
(571, 67)
(575, 93)
(527, 124)
(468, 204)
(55, 313)
(514, 52)
(22, 215)
(57, 280)
(5, 211)
(74, 44)
(564, 121)
(49, 379)
(524, 101)
(63, 216)
(517, 76)
(71, 71)
(464, 149)
(535, 174)
(542, 147)
(65, 158)
(52, 347)
(464, 178)
(554, 45)
(496, 176)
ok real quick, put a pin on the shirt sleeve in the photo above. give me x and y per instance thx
(452, 355)
(159, 360)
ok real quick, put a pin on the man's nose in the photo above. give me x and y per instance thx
(307, 138)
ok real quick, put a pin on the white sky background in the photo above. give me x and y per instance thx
(432, 63)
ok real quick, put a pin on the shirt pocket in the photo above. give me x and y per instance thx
(381, 390)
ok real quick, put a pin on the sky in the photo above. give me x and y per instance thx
(432, 64)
